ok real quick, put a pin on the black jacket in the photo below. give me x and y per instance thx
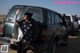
(36, 32)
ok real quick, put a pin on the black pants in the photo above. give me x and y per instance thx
(20, 47)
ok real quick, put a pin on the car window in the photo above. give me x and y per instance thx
(49, 17)
(53, 17)
(57, 19)
(37, 13)
(12, 15)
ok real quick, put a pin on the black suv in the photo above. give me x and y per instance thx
(50, 30)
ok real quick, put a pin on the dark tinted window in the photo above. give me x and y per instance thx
(37, 13)
(57, 19)
(53, 17)
(49, 17)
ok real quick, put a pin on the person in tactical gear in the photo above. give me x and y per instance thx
(26, 25)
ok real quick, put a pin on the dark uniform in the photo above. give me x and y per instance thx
(31, 30)
(27, 29)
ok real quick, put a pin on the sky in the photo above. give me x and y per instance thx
(73, 9)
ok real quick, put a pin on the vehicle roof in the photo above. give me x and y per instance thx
(36, 7)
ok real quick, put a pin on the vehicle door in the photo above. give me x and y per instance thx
(54, 23)
(58, 26)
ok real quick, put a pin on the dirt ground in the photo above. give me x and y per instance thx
(72, 47)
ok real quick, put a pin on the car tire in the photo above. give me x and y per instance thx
(52, 46)
(53, 49)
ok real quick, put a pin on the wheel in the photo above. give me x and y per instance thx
(52, 47)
